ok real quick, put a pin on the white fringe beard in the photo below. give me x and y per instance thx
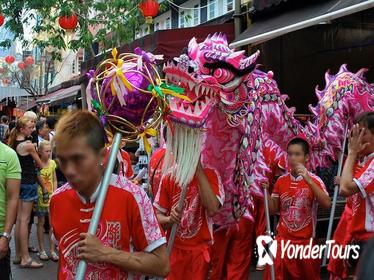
(183, 149)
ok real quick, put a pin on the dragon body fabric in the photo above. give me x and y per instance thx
(240, 112)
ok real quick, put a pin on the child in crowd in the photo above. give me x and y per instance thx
(296, 196)
(48, 175)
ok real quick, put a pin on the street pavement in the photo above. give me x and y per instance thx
(48, 272)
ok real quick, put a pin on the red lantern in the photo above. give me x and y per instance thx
(21, 65)
(2, 19)
(29, 60)
(9, 59)
(68, 22)
(150, 9)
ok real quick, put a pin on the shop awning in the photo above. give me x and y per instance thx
(60, 96)
(309, 15)
(29, 104)
(6, 92)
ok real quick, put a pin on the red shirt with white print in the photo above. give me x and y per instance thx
(127, 223)
(195, 227)
(362, 226)
(298, 206)
(123, 160)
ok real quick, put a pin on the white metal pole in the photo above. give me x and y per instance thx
(268, 228)
(335, 197)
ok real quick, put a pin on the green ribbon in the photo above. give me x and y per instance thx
(96, 105)
(162, 89)
(176, 89)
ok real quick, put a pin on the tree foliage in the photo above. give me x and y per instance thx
(107, 22)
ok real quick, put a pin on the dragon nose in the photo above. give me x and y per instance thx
(191, 69)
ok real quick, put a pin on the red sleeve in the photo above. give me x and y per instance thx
(319, 183)
(215, 184)
(127, 160)
(366, 181)
(275, 192)
(145, 231)
(163, 201)
(54, 219)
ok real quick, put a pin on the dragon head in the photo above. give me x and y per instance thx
(211, 73)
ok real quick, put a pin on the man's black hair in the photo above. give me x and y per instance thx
(300, 141)
(39, 125)
(4, 119)
(51, 122)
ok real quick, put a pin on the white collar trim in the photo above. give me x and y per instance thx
(297, 178)
(93, 196)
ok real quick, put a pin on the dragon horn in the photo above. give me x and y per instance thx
(292, 110)
(313, 109)
(284, 97)
(328, 77)
(235, 58)
(343, 68)
(360, 73)
(319, 93)
(224, 38)
(193, 48)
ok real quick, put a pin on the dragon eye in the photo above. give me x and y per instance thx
(223, 76)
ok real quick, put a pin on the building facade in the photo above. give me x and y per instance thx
(183, 14)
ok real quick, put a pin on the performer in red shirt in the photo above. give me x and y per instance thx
(155, 169)
(357, 180)
(123, 163)
(128, 239)
(296, 196)
(190, 255)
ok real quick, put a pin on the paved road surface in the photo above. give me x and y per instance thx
(48, 272)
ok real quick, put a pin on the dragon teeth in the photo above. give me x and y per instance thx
(173, 103)
(203, 90)
(197, 108)
(189, 111)
(191, 85)
(197, 88)
(203, 104)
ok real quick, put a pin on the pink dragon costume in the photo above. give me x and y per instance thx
(235, 110)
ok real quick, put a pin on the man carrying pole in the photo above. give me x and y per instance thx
(128, 239)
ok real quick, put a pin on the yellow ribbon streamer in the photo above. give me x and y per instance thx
(149, 132)
(173, 93)
(121, 76)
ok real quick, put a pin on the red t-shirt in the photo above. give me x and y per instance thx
(155, 169)
(362, 226)
(196, 227)
(298, 206)
(124, 160)
(127, 223)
